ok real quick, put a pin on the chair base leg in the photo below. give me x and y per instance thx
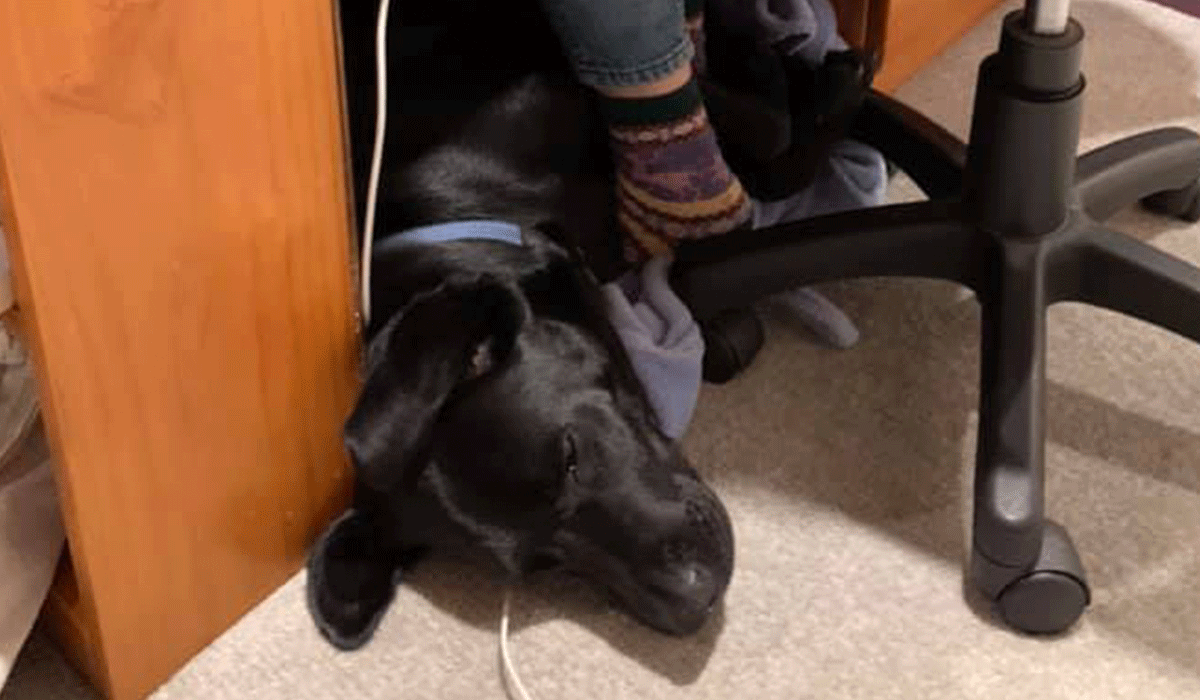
(1046, 597)
(1157, 168)
(1024, 236)
(1123, 274)
(734, 271)
(929, 154)
(1183, 203)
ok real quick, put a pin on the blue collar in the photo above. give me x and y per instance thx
(475, 229)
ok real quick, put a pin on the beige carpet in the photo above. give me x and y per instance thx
(845, 473)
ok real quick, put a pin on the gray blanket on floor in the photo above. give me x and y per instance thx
(804, 27)
(662, 338)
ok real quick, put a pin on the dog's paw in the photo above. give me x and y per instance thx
(350, 582)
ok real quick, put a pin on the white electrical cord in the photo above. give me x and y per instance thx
(381, 111)
(512, 680)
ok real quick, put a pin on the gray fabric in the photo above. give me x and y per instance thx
(854, 178)
(662, 339)
(821, 316)
(31, 539)
(805, 27)
(856, 175)
(658, 331)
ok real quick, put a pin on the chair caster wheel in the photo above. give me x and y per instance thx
(1043, 602)
(1182, 204)
(1045, 598)
(732, 339)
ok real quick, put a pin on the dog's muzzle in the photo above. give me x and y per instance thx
(672, 580)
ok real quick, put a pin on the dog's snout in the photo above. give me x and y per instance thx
(688, 595)
(696, 584)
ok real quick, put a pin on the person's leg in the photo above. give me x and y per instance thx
(693, 14)
(673, 183)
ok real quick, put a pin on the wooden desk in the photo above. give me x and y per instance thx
(177, 214)
(907, 33)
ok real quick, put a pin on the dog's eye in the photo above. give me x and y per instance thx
(570, 454)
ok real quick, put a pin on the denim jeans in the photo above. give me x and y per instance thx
(621, 42)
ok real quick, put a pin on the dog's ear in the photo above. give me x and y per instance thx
(444, 338)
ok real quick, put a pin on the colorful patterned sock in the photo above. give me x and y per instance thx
(672, 181)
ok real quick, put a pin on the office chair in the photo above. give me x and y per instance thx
(1016, 217)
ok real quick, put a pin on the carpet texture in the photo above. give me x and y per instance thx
(1192, 7)
(846, 473)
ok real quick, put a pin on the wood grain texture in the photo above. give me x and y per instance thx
(863, 24)
(852, 21)
(918, 30)
(177, 213)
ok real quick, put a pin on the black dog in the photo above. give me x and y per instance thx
(499, 408)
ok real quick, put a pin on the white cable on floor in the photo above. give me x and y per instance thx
(511, 679)
(381, 97)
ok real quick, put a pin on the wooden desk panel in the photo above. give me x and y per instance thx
(178, 220)
(907, 33)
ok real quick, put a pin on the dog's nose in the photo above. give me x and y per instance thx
(695, 579)
(693, 586)
(696, 582)
(687, 597)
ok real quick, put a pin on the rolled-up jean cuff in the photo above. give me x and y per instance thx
(601, 76)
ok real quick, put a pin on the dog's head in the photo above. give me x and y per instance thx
(503, 398)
